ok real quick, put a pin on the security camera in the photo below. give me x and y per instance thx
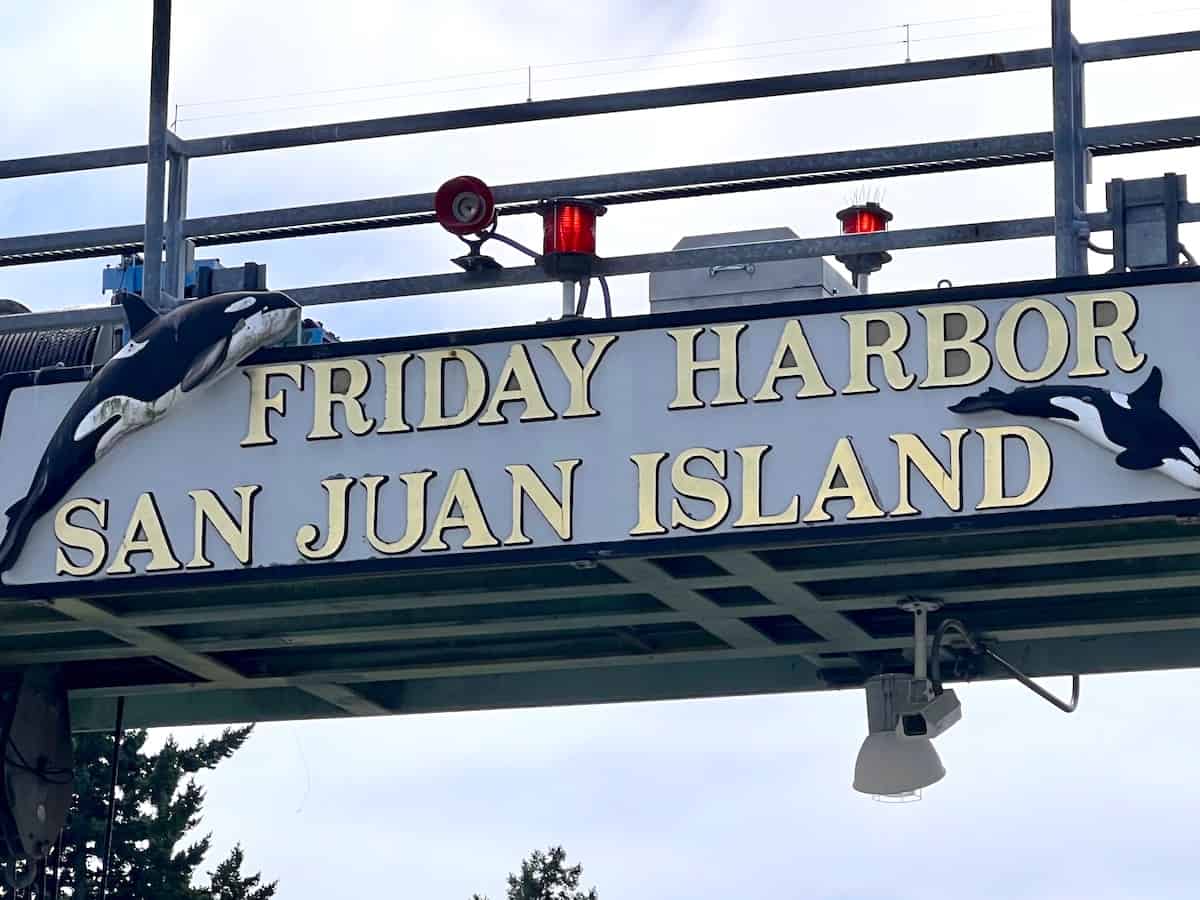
(931, 719)
(464, 205)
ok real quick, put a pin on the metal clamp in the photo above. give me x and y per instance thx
(714, 271)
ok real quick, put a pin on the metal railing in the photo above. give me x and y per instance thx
(166, 157)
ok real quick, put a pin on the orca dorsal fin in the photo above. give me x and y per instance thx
(137, 311)
(1148, 394)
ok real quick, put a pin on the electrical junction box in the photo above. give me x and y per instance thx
(744, 284)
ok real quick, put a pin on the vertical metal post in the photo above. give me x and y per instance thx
(860, 282)
(1070, 251)
(568, 298)
(118, 733)
(156, 151)
(177, 251)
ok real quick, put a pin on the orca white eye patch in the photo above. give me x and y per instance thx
(239, 305)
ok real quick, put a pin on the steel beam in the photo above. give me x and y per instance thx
(652, 580)
(200, 665)
(784, 85)
(686, 678)
(795, 599)
(768, 251)
(658, 98)
(1100, 51)
(177, 256)
(399, 634)
(621, 187)
(156, 152)
(1070, 250)
(852, 163)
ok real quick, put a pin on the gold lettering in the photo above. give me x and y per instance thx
(706, 489)
(940, 345)
(475, 392)
(1089, 331)
(1058, 339)
(414, 516)
(888, 351)
(258, 431)
(725, 365)
(145, 534)
(77, 537)
(844, 480)
(209, 509)
(947, 482)
(793, 345)
(1040, 466)
(579, 377)
(647, 495)
(326, 396)
(517, 368)
(338, 490)
(752, 513)
(460, 495)
(393, 379)
(558, 514)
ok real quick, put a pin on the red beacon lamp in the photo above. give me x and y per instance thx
(569, 236)
(569, 248)
(864, 218)
(466, 208)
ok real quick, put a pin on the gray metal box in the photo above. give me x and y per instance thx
(1145, 216)
(743, 285)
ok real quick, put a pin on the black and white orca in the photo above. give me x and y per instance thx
(169, 356)
(1133, 426)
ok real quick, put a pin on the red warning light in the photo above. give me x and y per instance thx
(569, 226)
(864, 218)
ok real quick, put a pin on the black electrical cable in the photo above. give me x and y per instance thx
(584, 287)
(607, 296)
(935, 649)
(51, 775)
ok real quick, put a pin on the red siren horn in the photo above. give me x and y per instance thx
(464, 205)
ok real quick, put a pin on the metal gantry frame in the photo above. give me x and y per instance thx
(1070, 146)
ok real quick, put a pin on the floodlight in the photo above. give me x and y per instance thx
(888, 765)
(904, 712)
(896, 757)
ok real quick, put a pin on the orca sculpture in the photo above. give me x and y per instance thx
(1133, 426)
(169, 356)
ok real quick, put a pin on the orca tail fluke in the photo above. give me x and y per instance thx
(989, 399)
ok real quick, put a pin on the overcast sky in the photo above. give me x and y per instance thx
(697, 799)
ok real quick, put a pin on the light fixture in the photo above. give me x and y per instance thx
(889, 763)
(569, 237)
(906, 712)
(864, 218)
(464, 205)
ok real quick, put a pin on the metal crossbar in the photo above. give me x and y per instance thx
(1067, 146)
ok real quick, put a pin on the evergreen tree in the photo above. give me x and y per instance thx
(158, 804)
(228, 883)
(546, 876)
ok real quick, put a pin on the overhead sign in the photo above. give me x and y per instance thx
(591, 437)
